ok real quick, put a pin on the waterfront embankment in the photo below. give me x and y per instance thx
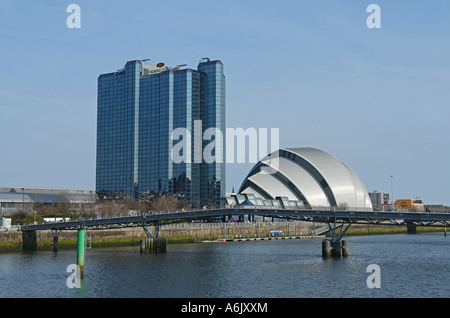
(11, 241)
(175, 233)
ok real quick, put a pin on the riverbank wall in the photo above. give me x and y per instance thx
(175, 233)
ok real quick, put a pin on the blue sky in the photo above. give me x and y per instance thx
(377, 99)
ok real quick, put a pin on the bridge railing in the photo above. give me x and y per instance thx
(236, 224)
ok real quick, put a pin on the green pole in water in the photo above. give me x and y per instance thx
(80, 251)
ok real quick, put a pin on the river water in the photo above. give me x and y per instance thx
(414, 265)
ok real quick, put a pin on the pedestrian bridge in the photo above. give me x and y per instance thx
(438, 219)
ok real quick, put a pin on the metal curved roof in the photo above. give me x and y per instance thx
(309, 175)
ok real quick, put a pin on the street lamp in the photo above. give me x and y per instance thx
(392, 192)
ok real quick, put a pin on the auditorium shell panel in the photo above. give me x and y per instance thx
(309, 176)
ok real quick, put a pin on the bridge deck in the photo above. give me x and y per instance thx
(439, 219)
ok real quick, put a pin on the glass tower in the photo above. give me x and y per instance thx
(139, 107)
(212, 176)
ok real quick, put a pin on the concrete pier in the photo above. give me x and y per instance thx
(411, 229)
(160, 245)
(336, 249)
(344, 248)
(55, 242)
(142, 245)
(29, 241)
(326, 248)
(153, 245)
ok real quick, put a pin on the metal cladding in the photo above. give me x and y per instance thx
(307, 175)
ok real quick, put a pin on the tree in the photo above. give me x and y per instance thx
(167, 203)
(111, 209)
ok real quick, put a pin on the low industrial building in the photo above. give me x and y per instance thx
(26, 199)
(410, 205)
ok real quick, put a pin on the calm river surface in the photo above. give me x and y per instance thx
(414, 265)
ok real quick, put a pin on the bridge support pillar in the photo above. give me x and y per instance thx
(335, 247)
(81, 260)
(29, 241)
(153, 243)
(344, 248)
(160, 245)
(142, 246)
(411, 229)
(55, 242)
(326, 248)
(55, 239)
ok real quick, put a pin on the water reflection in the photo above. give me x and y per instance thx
(411, 266)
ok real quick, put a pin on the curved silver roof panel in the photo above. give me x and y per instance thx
(309, 175)
(274, 188)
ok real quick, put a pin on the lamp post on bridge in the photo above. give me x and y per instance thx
(392, 192)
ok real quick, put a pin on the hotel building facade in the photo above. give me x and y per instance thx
(138, 108)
